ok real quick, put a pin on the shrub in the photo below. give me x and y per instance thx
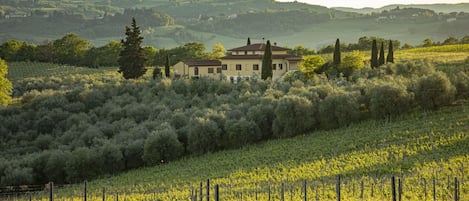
(414, 69)
(162, 146)
(18, 176)
(204, 135)
(241, 132)
(434, 91)
(339, 109)
(461, 81)
(55, 166)
(294, 116)
(388, 98)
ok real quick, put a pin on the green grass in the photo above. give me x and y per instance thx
(367, 152)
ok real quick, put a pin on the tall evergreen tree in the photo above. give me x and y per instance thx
(374, 55)
(390, 58)
(336, 61)
(267, 62)
(381, 55)
(166, 66)
(132, 56)
(249, 41)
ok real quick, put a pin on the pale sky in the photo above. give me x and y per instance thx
(373, 3)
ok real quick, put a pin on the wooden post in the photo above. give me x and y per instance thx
(217, 193)
(399, 189)
(268, 191)
(104, 193)
(425, 188)
(51, 191)
(30, 197)
(393, 188)
(456, 189)
(362, 189)
(208, 189)
(117, 196)
(338, 188)
(305, 190)
(434, 189)
(201, 191)
(282, 192)
(84, 192)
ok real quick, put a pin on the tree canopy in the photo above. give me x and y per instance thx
(5, 85)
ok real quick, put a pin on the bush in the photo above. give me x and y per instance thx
(17, 176)
(339, 109)
(204, 135)
(294, 116)
(388, 99)
(434, 91)
(241, 132)
(461, 81)
(162, 146)
(414, 69)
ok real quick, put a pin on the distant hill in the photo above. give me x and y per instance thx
(166, 24)
(444, 8)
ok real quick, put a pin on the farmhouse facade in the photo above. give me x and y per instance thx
(241, 63)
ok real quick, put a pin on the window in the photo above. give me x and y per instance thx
(238, 66)
(224, 67)
(280, 66)
(218, 70)
(274, 66)
(210, 70)
(255, 67)
(196, 71)
(245, 52)
(231, 79)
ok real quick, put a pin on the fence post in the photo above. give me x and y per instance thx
(84, 192)
(217, 193)
(434, 188)
(456, 189)
(104, 193)
(201, 191)
(425, 188)
(399, 189)
(305, 191)
(51, 191)
(208, 189)
(268, 191)
(117, 196)
(393, 188)
(362, 186)
(338, 188)
(282, 192)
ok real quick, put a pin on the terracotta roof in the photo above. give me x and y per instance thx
(259, 57)
(258, 47)
(202, 63)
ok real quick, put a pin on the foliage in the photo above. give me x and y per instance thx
(351, 62)
(389, 98)
(132, 58)
(288, 111)
(381, 58)
(267, 62)
(337, 57)
(166, 67)
(374, 55)
(69, 49)
(434, 91)
(218, 51)
(5, 84)
(162, 146)
(309, 64)
(390, 57)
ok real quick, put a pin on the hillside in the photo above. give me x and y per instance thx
(366, 152)
(444, 8)
(167, 24)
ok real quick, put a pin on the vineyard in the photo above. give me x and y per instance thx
(427, 152)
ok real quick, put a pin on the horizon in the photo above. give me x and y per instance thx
(373, 4)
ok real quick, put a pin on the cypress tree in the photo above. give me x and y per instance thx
(132, 56)
(336, 61)
(374, 54)
(381, 55)
(166, 66)
(249, 41)
(390, 58)
(267, 62)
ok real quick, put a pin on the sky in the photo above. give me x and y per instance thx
(373, 3)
